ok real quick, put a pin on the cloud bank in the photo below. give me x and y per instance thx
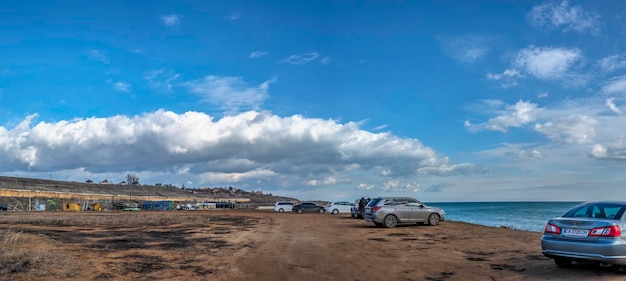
(249, 149)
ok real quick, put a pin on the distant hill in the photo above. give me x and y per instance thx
(14, 187)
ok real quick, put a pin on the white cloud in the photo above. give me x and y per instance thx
(612, 63)
(445, 170)
(121, 87)
(543, 95)
(508, 77)
(617, 85)
(577, 129)
(391, 185)
(562, 16)
(364, 186)
(258, 54)
(533, 154)
(231, 94)
(160, 79)
(98, 55)
(572, 122)
(301, 58)
(547, 63)
(327, 181)
(611, 105)
(326, 60)
(508, 73)
(251, 149)
(613, 151)
(466, 49)
(171, 20)
(515, 115)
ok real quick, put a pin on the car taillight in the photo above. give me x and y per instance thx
(375, 208)
(551, 228)
(610, 231)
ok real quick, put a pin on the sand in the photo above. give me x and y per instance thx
(256, 245)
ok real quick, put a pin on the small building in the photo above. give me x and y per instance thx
(71, 207)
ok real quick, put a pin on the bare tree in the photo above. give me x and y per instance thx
(132, 179)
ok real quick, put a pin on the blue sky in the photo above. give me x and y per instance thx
(328, 100)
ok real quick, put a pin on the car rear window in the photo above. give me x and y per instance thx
(373, 202)
(606, 210)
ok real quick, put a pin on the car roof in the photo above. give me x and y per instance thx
(395, 197)
(604, 202)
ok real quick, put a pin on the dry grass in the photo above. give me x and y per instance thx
(27, 253)
(111, 218)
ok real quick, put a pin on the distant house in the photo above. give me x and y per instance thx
(89, 181)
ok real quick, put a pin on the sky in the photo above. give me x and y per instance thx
(444, 101)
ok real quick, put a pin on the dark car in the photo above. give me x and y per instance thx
(308, 207)
(591, 232)
(4, 208)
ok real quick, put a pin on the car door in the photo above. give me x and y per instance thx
(310, 207)
(418, 212)
(402, 209)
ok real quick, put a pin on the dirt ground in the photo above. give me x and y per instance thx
(255, 245)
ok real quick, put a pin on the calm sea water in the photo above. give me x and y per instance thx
(531, 216)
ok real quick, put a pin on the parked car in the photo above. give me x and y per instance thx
(337, 207)
(390, 211)
(4, 208)
(591, 231)
(308, 207)
(354, 209)
(282, 207)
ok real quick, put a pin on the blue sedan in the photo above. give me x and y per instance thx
(590, 232)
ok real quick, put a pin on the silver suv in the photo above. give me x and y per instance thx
(390, 211)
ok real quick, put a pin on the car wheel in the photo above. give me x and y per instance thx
(390, 221)
(434, 219)
(335, 211)
(299, 211)
(563, 262)
(281, 210)
(377, 224)
(322, 211)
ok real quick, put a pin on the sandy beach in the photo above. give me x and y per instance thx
(255, 245)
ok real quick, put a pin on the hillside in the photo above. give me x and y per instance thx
(14, 188)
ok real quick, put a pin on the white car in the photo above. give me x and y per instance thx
(282, 207)
(338, 207)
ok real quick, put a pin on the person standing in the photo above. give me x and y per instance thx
(362, 204)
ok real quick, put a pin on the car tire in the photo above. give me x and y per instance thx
(434, 219)
(563, 262)
(299, 211)
(335, 211)
(322, 211)
(390, 221)
(281, 210)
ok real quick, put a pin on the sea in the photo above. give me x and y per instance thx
(529, 216)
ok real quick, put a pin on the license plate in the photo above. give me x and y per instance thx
(575, 232)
